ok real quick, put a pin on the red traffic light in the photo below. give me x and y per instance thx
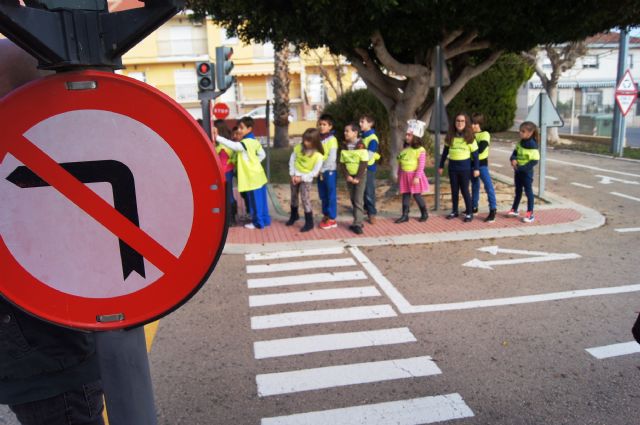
(204, 68)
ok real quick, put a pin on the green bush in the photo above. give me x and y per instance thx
(351, 105)
(494, 92)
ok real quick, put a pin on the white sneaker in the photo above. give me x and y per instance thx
(512, 213)
(249, 226)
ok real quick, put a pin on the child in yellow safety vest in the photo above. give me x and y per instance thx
(371, 142)
(304, 164)
(328, 179)
(483, 138)
(228, 159)
(251, 176)
(524, 157)
(354, 159)
(411, 177)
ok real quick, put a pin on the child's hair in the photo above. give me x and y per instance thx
(416, 142)
(222, 128)
(234, 129)
(529, 126)
(369, 117)
(354, 126)
(477, 118)
(247, 121)
(313, 135)
(327, 118)
(467, 133)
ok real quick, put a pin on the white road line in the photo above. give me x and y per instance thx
(585, 186)
(425, 410)
(301, 265)
(614, 350)
(551, 178)
(292, 254)
(622, 195)
(331, 342)
(349, 374)
(305, 279)
(315, 295)
(628, 229)
(322, 316)
(573, 164)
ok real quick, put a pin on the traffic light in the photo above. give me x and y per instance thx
(223, 67)
(205, 73)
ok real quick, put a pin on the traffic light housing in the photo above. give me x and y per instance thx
(205, 73)
(224, 65)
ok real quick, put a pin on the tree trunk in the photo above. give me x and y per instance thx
(552, 132)
(281, 83)
(398, 117)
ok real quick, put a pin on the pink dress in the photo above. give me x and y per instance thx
(405, 178)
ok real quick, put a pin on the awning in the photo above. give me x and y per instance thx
(577, 84)
(256, 69)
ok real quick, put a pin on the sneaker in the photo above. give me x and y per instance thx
(468, 218)
(249, 226)
(328, 224)
(372, 219)
(475, 210)
(324, 219)
(356, 229)
(452, 215)
(512, 213)
(491, 217)
(529, 218)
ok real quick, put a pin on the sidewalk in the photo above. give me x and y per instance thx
(558, 216)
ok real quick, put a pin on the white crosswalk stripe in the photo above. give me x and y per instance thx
(308, 296)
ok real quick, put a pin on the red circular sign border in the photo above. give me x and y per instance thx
(123, 95)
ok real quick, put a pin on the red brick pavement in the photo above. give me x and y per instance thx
(278, 232)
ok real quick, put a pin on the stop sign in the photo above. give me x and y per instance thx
(221, 111)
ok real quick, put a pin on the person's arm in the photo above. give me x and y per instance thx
(261, 154)
(482, 146)
(362, 169)
(372, 149)
(343, 169)
(234, 146)
(331, 159)
(528, 166)
(422, 160)
(476, 161)
(308, 177)
(292, 164)
(443, 158)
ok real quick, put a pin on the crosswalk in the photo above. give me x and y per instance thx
(326, 271)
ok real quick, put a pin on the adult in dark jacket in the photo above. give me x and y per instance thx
(48, 374)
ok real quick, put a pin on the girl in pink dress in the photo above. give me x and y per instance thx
(411, 177)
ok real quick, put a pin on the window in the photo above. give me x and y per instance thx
(186, 84)
(182, 40)
(546, 63)
(315, 88)
(590, 61)
(136, 75)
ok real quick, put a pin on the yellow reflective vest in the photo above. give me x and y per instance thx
(366, 141)
(409, 157)
(352, 159)
(231, 154)
(327, 144)
(251, 175)
(461, 150)
(306, 163)
(484, 136)
(524, 155)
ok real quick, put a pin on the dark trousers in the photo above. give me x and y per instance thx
(370, 194)
(406, 200)
(523, 181)
(460, 183)
(82, 406)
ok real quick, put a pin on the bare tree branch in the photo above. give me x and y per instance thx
(373, 76)
(450, 37)
(467, 74)
(325, 74)
(393, 65)
(465, 48)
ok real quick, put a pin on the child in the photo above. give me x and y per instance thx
(304, 164)
(524, 157)
(411, 177)
(461, 148)
(483, 138)
(236, 137)
(228, 158)
(370, 140)
(251, 176)
(354, 159)
(327, 182)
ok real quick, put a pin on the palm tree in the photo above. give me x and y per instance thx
(281, 83)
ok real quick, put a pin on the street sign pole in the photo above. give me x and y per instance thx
(619, 125)
(543, 151)
(205, 104)
(268, 112)
(438, 118)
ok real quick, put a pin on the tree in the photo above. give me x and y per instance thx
(335, 81)
(562, 58)
(391, 42)
(281, 82)
(494, 92)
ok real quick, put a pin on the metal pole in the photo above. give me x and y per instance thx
(126, 378)
(543, 147)
(573, 109)
(437, 111)
(205, 99)
(268, 119)
(619, 126)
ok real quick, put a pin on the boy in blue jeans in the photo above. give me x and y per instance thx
(328, 178)
(370, 140)
(483, 138)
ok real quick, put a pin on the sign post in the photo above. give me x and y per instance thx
(624, 95)
(545, 115)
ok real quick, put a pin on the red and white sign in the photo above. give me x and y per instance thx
(626, 93)
(221, 110)
(113, 212)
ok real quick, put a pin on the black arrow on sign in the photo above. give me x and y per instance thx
(124, 196)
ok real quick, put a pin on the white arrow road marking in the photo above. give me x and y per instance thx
(609, 180)
(534, 257)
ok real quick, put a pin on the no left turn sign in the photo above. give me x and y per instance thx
(113, 209)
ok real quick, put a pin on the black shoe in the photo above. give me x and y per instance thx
(293, 217)
(491, 217)
(405, 216)
(308, 222)
(468, 218)
(356, 229)
(475, 210)
(424, 214)
(452, 215)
